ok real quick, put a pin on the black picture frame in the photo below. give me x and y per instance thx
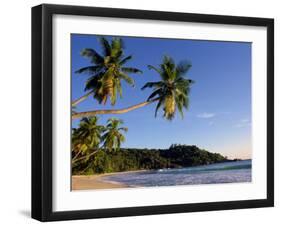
(42, 111)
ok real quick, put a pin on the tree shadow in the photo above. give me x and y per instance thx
(25, 213)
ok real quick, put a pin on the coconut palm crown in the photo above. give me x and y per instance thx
(87, 136)
(113, 136)
(108, 70)
(173, 89)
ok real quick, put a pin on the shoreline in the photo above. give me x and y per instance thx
(88, 182)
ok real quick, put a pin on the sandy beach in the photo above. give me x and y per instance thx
(93, 182)
(81, 182)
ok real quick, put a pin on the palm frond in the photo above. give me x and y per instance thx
(118, 87)
(93, 82)
(183, 67)
(125, 60)
(167, 60)
(93, 55)
(160, 102)
(127, 78)
(131, 70)
(106, 48)
(123, 128)
(152, 85)
(117, 44)
(154, 68)
(168, 63)
(89, 69)
(155, 93)
(180, 109)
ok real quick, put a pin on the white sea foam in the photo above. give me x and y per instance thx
(229, 172)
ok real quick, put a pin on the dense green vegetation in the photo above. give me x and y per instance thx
(90, 138)
(176, 156)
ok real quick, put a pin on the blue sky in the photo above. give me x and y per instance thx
(219, 116)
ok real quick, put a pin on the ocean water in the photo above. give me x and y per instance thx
(228, 172)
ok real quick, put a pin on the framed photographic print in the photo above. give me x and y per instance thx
(144, 112)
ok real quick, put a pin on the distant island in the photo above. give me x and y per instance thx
(129, 159)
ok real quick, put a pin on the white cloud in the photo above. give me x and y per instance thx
(206, 115)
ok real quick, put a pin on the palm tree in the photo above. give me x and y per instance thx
(113, 136)
(172, 92)
(106, 72)
(173, 89)
(86, 138)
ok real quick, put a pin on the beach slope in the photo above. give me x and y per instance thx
(93, 182)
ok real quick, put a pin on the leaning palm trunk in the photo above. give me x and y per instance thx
(79, 100)
(84, 157)
(112, 111)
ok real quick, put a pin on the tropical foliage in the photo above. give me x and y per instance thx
(173, 89)
(171, 92)
(108, 70)
(86, 138)
(113, 136)
(90, 137)
(176, 156)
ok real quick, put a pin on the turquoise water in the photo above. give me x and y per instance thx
(228, 172)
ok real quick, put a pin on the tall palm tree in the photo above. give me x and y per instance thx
(107, 71)
(113, 136)
(173, 88)
(171, 92)
(86, 138)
